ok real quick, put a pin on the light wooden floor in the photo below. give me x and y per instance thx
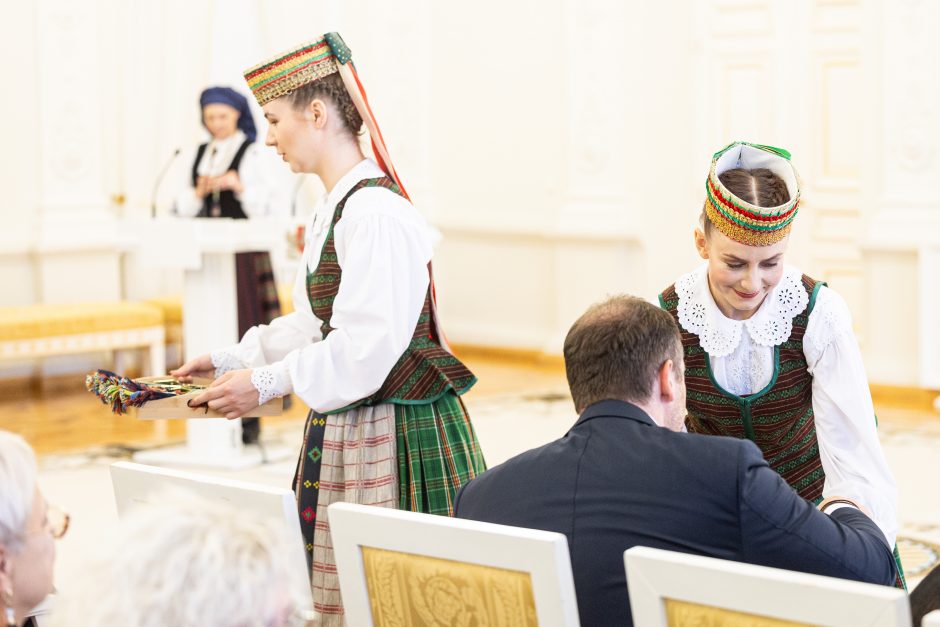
(60, 416)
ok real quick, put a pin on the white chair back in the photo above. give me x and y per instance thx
(668, 589)
(139, 485)
(403, 568)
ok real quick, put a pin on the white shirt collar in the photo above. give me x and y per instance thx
(719, 335)
(233, 140)
(219, 154)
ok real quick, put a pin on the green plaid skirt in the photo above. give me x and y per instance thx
(437, 453)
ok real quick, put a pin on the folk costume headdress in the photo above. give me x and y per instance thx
(309, 62)
(738, 219)
(230, 97)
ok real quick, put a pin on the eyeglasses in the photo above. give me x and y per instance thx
(57, 521)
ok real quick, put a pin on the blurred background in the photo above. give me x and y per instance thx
(559, 146)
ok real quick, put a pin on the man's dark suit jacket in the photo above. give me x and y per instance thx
(617, 480)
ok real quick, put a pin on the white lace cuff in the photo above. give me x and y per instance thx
(268, 383)
(224, 361)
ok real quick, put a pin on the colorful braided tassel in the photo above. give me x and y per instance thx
(121, 392)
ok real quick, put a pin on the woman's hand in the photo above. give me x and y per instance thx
(227, 181)
(201, 367)
(231, 395)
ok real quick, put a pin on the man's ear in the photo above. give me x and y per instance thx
(667, 381)
(701, 243)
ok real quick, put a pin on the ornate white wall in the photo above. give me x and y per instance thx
(902, 241)
(560, 146)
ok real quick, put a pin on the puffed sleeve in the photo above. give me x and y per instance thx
(851, 454)
(383, 248)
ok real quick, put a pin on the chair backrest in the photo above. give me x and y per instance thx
(403, 568)
(668, 589)
(139, 485)
(932, 619)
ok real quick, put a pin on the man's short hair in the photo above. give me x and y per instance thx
(616, 348)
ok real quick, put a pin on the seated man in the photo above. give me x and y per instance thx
(618, 480)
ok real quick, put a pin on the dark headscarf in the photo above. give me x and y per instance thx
(230, 97)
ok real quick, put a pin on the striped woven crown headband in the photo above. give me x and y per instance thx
(309, 62)
(738, 219)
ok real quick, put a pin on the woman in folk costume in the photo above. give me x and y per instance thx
(363, 348)
(227, 181)
(770, 354)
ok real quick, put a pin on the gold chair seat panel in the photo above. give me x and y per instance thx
(406, 589)
(684, 614)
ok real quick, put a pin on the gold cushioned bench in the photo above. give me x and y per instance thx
(172, 308)
(43, 330)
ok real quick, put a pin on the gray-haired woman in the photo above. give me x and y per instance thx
(189, 563)
(28, 528)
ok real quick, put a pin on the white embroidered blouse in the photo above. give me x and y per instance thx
(741, 353)
(218, 156)
(383, 246)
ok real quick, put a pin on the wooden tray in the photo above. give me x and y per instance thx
(175, 408)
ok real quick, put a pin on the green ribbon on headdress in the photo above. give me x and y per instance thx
(340, 50)
(777, 151)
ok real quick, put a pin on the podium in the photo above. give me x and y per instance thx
(205, 250)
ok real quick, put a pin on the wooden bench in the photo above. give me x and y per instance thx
(45, 330)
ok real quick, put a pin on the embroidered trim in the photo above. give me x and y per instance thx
(718, 335)
(748, 369)
(225, 362)
(265, 381)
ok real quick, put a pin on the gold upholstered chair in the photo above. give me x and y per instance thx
(403, 568)
(674, 589)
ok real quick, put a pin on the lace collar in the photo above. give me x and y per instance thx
(718, 335)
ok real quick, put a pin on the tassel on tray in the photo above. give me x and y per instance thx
(122, 392)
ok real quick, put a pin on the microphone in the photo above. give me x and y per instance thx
(156, 183)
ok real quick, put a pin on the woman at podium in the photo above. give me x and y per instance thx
(363, 348)
(227, 181)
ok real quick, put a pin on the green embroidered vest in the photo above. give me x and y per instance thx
(779, 418)
(425, 371)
